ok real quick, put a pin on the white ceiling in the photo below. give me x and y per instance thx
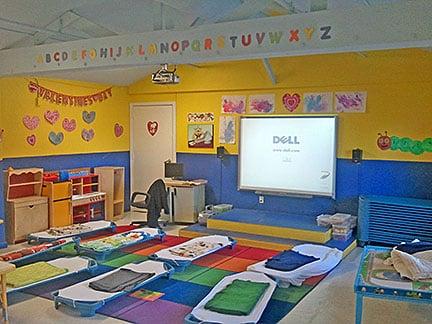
(26, 23)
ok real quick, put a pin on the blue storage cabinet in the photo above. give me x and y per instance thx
(392, 220)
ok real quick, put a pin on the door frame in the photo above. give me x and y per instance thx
(132, 106)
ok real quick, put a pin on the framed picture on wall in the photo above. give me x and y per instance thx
(200, 136)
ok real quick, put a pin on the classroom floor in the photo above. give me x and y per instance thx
(332, 301)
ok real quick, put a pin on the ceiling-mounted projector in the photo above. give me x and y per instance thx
(164, 76)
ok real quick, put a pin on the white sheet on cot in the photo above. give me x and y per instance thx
(93, 226)
(328, 259)
(209, 316)
(82, 292)
(217, 239)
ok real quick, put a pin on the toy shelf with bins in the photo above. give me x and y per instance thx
(85, 184)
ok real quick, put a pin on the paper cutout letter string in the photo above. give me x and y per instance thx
(65, 99)
(404, 144)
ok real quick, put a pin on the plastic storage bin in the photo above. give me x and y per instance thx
(342, 237)
(222, 208)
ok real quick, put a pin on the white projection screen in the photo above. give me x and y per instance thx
(288, 154)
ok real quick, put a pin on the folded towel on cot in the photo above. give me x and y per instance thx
(237, 298)
(289, 260)
(121, 280)
(32, 273)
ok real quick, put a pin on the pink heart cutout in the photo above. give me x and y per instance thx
(291, 102)
(152, 127)
(31, 122)
(31, 140)
(87, 135)
(52, 116)
(69, 125)
(118, 130)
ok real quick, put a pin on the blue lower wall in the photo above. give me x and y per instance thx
(58, 162)
(391, 178)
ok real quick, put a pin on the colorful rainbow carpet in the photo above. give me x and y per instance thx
(184, 290)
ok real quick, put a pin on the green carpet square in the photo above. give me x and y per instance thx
(211, 277)
(189, 273)
(124, 259)
(292, 294)
(68, 249)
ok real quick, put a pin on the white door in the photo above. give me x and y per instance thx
(152, 142)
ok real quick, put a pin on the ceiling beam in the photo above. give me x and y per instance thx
(23, 27)
(269, 70)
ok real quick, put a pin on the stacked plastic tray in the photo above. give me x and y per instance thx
(342, 224)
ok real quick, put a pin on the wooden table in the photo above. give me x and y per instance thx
(5, 267)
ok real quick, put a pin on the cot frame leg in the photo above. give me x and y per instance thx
(359, 308)
(4, 299)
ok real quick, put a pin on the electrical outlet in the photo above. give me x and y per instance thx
(261, 199)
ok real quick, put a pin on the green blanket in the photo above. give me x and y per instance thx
(238, 298)
(32, 273)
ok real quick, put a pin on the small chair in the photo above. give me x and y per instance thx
(155, 199)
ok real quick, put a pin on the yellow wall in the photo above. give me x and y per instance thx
(16, 101)
(398, 85)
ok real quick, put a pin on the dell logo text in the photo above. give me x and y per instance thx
(285, 140)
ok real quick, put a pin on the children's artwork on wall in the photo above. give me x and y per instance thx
(52, 116)
(69, 124)
(64, 99)
(89, 117)
(200, 136)
(320, 102)
(200, 117)
(31, 140)
(152, 127)
(291, 102)
(56, 138)
(233, 104)
(350, 101)
(404, 144)
(87, 135)
(1, 134)
(261, 104)
(227, 130)
(31, 122)
(118, 130)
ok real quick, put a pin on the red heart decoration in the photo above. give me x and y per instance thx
(52, 116)
(291, 102)
(69, 125)
(118, 130)
(152, 127)
(31, 140)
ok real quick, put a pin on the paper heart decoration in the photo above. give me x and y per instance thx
(31, 122)
(69, 125)
(118, 130)
(152, 127)
(31, 140)
(291, 102)
(56, 138)
(87, 135)
(52, 116)
(89, 117)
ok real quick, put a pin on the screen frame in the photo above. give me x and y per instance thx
(283, 191)
(174, 165)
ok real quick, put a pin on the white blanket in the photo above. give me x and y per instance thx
(328, 259)
(412, 266)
